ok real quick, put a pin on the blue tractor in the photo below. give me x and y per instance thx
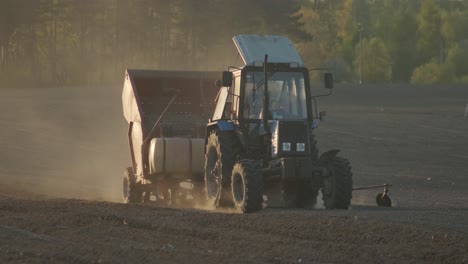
(261, 134)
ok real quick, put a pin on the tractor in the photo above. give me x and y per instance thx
(261, 134)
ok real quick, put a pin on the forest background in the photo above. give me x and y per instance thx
(92, 42)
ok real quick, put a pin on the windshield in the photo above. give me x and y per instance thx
(286, 92)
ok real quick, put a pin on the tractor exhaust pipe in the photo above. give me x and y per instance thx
(266, 101)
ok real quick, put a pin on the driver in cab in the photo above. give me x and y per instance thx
(255, 96)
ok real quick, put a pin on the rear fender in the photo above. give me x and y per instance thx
(220, 126)
(328, 156)
(225, 125)
(324, 161)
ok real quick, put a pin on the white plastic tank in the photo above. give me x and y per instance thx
(180, 157)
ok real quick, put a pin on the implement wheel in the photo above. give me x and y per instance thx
(131, 190)
(247, 186)
(383, 200)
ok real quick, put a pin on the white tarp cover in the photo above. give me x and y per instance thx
(252, 49)
(130, 107)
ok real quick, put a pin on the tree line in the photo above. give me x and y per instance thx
(71, 42)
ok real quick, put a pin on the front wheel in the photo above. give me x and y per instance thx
(247, 186)
(338, 185)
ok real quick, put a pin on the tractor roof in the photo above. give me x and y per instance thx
(252, 49)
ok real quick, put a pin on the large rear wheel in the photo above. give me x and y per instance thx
(131, 189)
(247, 186)
(219, 160)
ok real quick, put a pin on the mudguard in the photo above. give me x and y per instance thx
(328, 156)
(225, 125)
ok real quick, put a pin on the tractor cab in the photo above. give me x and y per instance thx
(287, 94)
(269, 95)
(260, 102)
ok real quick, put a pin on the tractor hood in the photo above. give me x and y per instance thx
(252, 49)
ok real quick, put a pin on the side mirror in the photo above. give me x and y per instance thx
(227, 79)
(328, 79)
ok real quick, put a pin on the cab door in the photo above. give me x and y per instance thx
(235, 93)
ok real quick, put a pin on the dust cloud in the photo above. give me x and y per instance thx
(64, 142)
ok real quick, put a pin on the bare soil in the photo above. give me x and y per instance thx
(63, 152)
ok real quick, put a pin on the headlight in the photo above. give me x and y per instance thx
(286, 146)
(300, 147)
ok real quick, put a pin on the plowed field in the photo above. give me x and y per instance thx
(63, 151)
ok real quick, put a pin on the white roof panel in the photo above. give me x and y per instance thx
(252, 49)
